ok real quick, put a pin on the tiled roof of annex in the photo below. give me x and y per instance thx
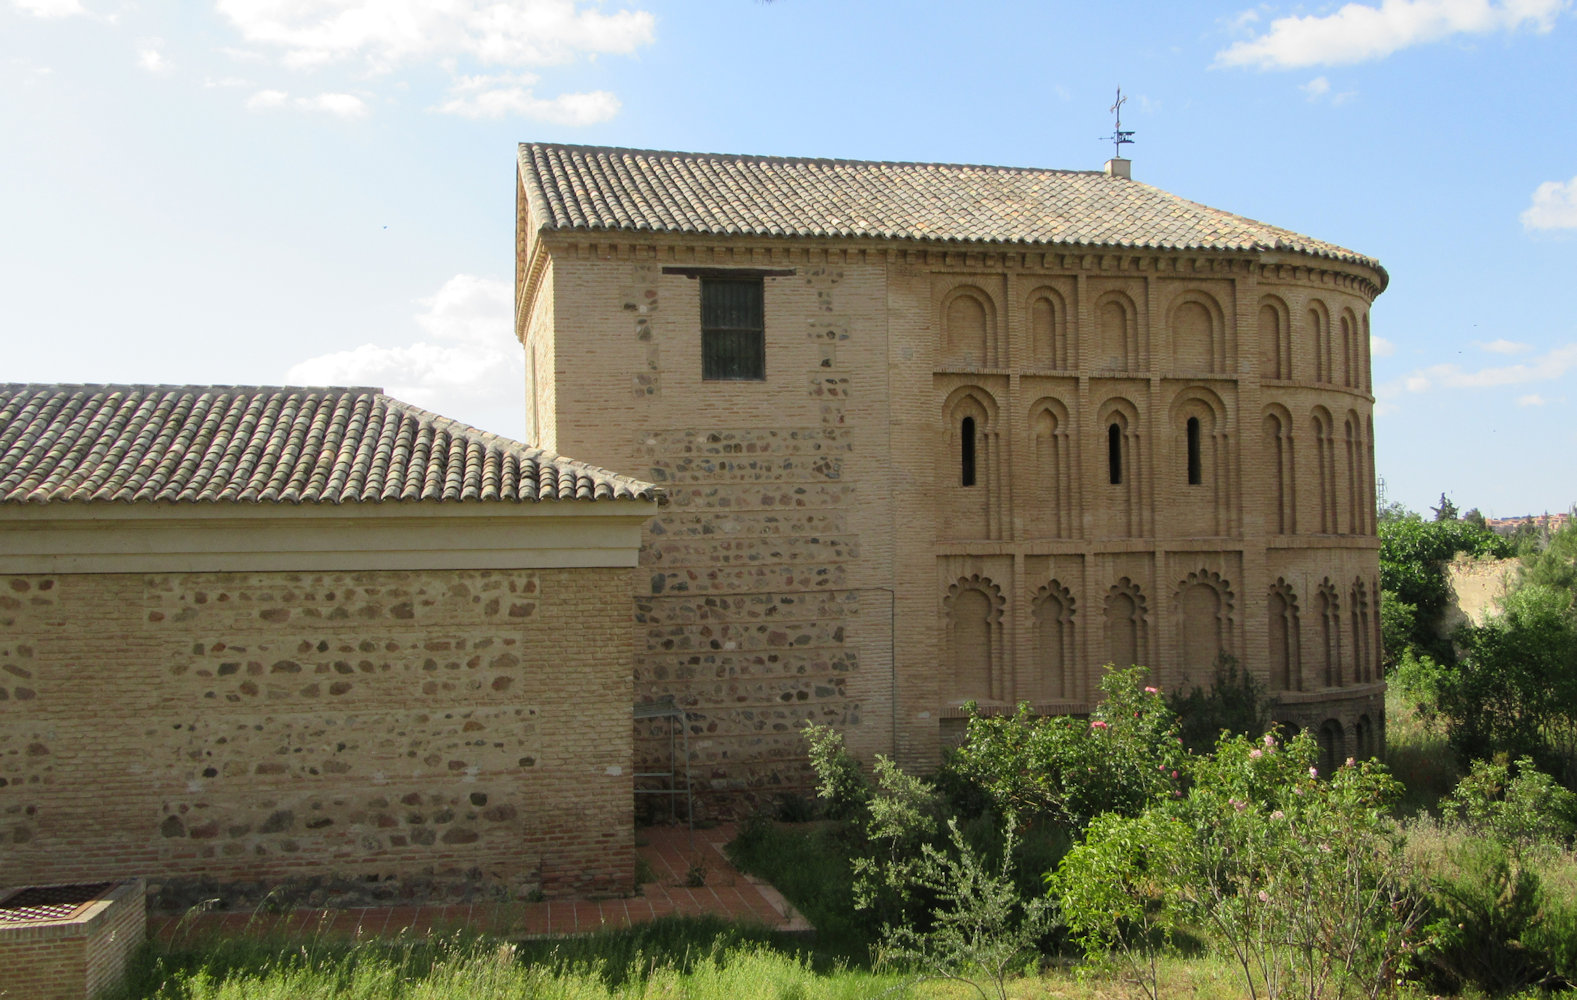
(590, 188)
(267, 444)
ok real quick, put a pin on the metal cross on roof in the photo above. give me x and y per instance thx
(1118, 136)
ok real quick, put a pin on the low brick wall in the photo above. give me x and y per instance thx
(62, 953)
(352, 737)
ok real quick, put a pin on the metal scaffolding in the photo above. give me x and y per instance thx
(668, 782)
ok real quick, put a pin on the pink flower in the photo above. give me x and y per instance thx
(1239, 806)
(1297, 790)
(1350, 762)
(1174, 774)
(1255, 754)
(1278, 814)
(1152, 690)
(1097, 724)
(1264, 897)
(1270, 741)
(1314, 772)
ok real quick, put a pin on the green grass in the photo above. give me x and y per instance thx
(677, 957)
(683, 960)
(808, 863)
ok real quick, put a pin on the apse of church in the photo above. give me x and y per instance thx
(917, 459)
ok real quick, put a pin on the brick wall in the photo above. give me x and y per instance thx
(822, 559)
(75, 959)
(356, 735)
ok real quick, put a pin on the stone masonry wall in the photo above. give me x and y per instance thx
(365, 734)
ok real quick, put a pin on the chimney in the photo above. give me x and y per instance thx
(1118, 166)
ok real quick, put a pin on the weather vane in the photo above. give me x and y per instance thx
(1118, 136)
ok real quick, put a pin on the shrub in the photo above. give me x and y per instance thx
(1234, 704)
(1518, 804)
(1065, 770)
(1301, 882)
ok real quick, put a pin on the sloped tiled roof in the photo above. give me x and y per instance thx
(267, 444)
(601, 188)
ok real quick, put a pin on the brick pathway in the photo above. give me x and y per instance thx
(670, 851)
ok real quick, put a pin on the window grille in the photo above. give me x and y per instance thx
(733, 332)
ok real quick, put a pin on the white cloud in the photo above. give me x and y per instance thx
(1532, 399)
(1503, 346)
(1379, 347)
(1359, 33)
(386, 32)
(343, 105)
(1554, 206)
(511, 94)
(471, 368)
(151, 59)
(49, 8)
(1316, 88)
(1545, 368)
(265, 99)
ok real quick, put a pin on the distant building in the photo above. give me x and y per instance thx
(938, 433)
(1545, 524)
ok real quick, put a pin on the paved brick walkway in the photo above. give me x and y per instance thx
(670, 852)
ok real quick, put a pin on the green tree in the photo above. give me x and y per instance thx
(1413, 557)
(1514, 690)
(1447, 511)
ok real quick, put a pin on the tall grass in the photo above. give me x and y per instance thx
(704, 960)
(1418, 754)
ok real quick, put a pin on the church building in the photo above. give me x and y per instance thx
(935, 434)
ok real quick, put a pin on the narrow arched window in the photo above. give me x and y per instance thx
(1195, 474)
(966, 434)
(1114, 454)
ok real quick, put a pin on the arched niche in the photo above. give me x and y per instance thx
(1279, 460)
(1049, 511)
(1328, 650)
(1364, 664)
(1347, 373)
(969, 323)
(970, 462)
(1332, 740)
(1284, 631)
(1323, 426)
(1317, 321)
(1275, 338)
(1055, 676)
(1126, 625)
(973, 609)
(1051, 346)
(1197, 327)
(1199, 464)
(1119, 344)
(1204, 634)
(1121, 488)
(1357, 473)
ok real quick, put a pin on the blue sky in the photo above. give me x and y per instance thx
(267, 191)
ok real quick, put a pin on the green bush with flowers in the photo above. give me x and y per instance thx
(1302, 882)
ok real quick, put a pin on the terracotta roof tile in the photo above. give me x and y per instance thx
(267, 444)
(642, 190)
